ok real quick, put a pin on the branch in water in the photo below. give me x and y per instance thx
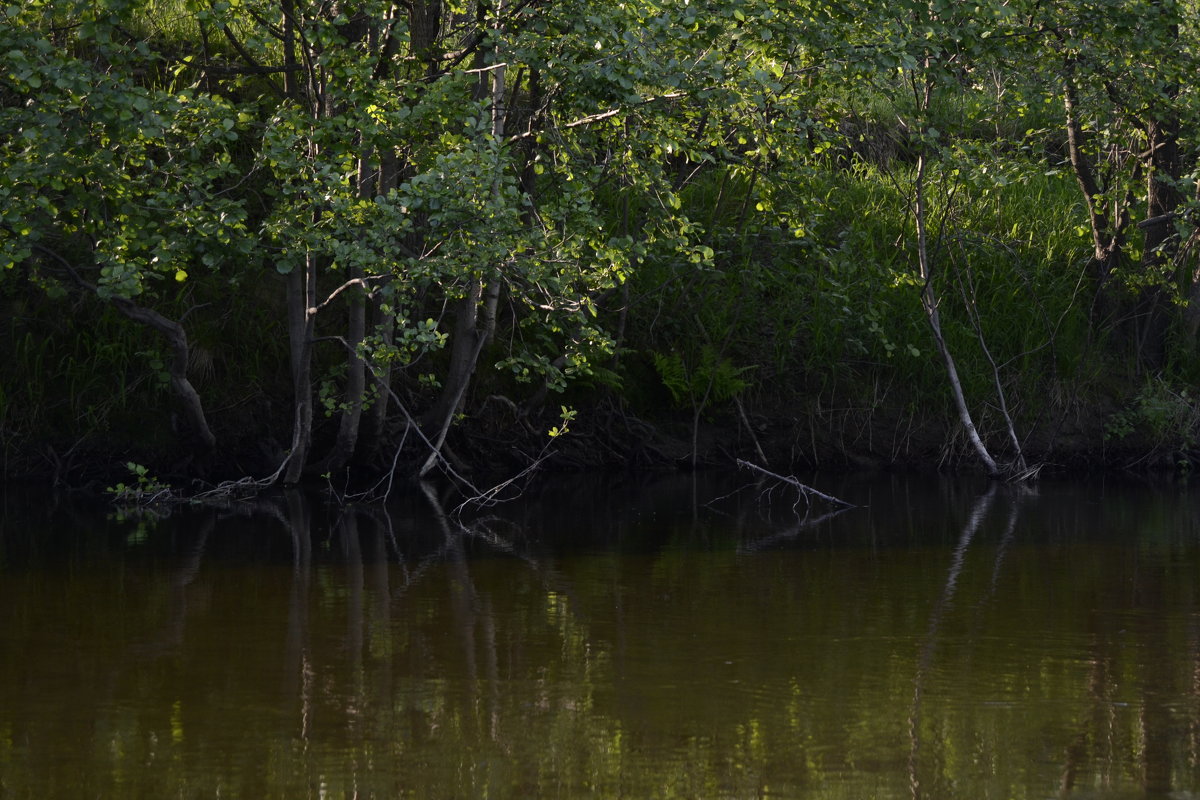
(790, 481)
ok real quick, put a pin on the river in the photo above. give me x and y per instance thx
(648, 637)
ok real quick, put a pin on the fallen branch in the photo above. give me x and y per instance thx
(790, 481)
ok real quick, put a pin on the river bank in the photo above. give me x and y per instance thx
(498, 444)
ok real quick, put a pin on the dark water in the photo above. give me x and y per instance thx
(610, 639)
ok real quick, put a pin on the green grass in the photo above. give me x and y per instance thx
(833, 318)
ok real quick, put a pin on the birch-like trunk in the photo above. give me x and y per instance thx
(929, 302)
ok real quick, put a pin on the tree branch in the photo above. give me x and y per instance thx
(171, 330)
(790, 481)
(359, 282)
(603, 115)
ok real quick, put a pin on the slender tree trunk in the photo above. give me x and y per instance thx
(1162, 198)
(929, 301)
(1163, 166)
(1190, 278)
(356, 381)
(361, 29)
(475, 313)
(299, 297)
(383, 323)
(354, 393)
(300, 283)
(1107, 223)
(923, 94)
(491, 292)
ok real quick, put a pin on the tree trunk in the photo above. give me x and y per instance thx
(465, 344)
(491, 294)
(1153, 307)
(1190, 279)
(354, 394)
(383, 323)
(425, 31)
(929, 301)
(299, 297)
(480, 300)
(1108, 232)
(301, 314)
(177, 339)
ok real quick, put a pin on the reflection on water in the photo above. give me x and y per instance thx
(946, 639)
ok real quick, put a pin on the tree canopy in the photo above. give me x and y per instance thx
(382, 221)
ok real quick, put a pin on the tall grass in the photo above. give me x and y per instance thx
(832, 322)
(83, 376)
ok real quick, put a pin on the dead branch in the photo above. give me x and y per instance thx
(804, 489)
(362, 283)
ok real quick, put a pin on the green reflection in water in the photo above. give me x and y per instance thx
(945, 641)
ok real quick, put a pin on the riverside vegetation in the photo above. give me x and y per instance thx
(282, 239)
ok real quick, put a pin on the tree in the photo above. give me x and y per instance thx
(112, 187)
(1123, 72)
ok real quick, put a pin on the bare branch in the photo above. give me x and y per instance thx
(603, 115)
(362, 283)
(790, 481)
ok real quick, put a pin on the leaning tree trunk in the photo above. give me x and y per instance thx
(929, 302)
(177, 339)
(475, 316)
(467, 344)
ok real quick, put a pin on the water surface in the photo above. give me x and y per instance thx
(611, 638)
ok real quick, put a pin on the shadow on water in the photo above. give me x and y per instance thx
(692, 637)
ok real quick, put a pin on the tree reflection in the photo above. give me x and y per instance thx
(929, 644)
(1019, 647)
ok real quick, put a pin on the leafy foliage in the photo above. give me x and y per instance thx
(517, 193)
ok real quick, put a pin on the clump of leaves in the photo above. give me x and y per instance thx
(713, 378)
(143, 489)
(568, 415)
